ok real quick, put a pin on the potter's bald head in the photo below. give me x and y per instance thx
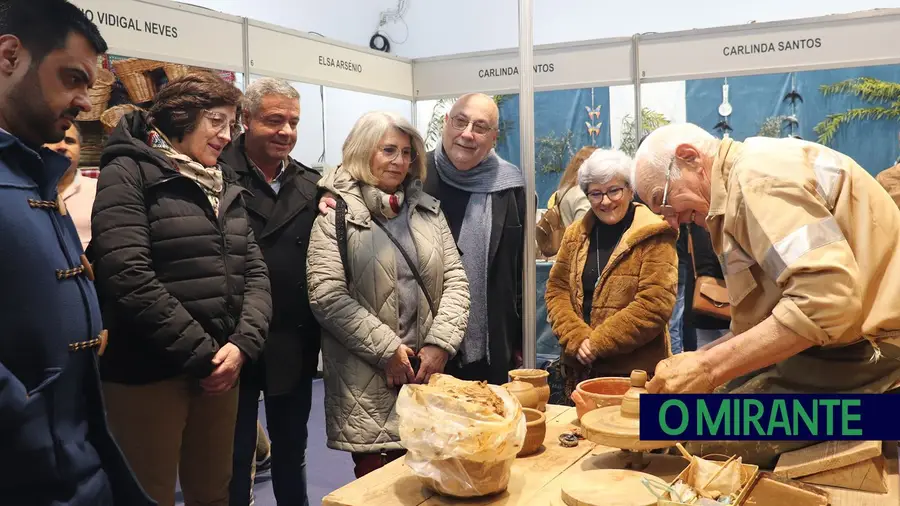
(470, 130)
(689, 151)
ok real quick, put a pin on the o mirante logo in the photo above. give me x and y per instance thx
(769, 417)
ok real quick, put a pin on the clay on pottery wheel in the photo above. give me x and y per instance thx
(619, 426)
(524, 392)
(608, 487)
(598, 393)
(535, 431)
(538, 379)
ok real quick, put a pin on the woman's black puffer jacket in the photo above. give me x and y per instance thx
(176, 282)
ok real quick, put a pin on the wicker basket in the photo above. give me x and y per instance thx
(135, 75)
(111, 117)
(99, 95)
(175, 71)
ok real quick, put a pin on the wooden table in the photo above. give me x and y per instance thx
(537, 479)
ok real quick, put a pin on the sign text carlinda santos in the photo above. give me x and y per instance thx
(695, 417)
(102, 18)
(539, 68)
(780, 46)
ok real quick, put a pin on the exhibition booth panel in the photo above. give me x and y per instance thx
(150, 43)
(832, 80)
(352, 80)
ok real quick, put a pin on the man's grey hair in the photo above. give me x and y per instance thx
(264, 87)
(603, 166)
(657, 149)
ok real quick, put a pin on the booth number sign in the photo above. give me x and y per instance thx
(129, 23)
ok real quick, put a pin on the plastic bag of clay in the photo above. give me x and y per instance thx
(462, 437)
(709, 476)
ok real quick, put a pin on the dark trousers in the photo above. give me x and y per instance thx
(479, 371)
(286, 418)
(365, 463)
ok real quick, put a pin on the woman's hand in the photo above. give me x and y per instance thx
(433, 360)
(586, 354)
(327, 203)
(228, 361)
(398, 369)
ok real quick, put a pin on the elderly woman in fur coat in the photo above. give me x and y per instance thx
(612, 289)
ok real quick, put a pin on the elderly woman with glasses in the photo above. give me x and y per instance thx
(183, 289)
(612, 288)
(387, 285)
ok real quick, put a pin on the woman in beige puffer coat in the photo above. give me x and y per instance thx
(378, 331)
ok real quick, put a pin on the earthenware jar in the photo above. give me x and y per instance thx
(524, 392)
(538, 379)
(536, 430)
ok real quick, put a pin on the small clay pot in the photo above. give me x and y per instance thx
(524, 392)
(599, 393)
(536, 430)
(538, 379)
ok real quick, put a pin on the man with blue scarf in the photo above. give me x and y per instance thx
(483, 199)
(56, 447)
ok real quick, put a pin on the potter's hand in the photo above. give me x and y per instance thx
(327, 203)
(586, 354)
(685, 373)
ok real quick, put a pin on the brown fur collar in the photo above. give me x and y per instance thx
(646, 224)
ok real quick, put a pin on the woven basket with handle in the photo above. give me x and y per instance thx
(111, 117)
(135, 75)
(99, 95)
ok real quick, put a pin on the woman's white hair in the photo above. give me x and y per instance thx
(365, 138)
(603, 166)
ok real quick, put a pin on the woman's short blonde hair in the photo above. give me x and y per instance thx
(365, 137)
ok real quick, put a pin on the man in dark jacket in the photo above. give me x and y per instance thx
(56, 446)
(282, 210)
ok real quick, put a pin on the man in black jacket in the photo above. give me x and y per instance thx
(483, 199)
(282, 210)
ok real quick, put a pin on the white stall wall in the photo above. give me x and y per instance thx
(665, 98)
(477, 25)
(343, 108)
(351, 21)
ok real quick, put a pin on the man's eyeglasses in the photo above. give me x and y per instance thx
(392, 152)
(665, 209)
(220, 121)
(614, 194)
(462, 123)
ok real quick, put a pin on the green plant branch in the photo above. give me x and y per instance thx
(829, 127)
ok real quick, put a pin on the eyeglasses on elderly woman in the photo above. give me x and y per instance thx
(391, 153)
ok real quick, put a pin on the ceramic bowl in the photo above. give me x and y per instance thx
(524, 392)
(536, 425)
(599, 393)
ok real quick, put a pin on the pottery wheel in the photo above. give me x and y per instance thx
(608, 487)
(607, 426)
(619, 426)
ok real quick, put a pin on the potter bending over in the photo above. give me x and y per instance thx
(808, 242)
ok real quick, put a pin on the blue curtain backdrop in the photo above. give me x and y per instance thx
(556, 113)
(872, 143)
